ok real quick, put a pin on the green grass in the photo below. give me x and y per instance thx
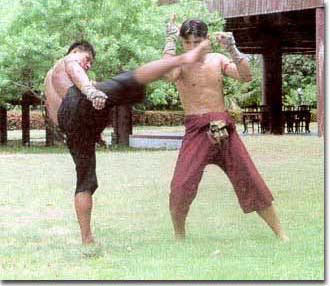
(39, 235)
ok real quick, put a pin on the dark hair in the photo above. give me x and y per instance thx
(84, 46)
(193, 27)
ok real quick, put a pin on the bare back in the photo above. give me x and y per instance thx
(66, 73)
(57, 83)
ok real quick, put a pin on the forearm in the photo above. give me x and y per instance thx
(170, 47)
(241, 61)
(77, 74)
(81, 81)
(172, 75)
(243, 70)
(171, 39)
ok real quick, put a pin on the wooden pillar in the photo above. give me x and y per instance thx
(320, 69)
(50, 133)
(122, 123)
(3, 125)
(25, 120)
(114, 135)
(272, 84)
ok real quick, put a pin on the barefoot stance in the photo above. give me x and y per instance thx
(200, 85)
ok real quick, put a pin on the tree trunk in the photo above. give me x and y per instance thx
(50, 136)
(25, 120)
(3, 125)
(122, 123)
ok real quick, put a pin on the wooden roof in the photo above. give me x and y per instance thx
(255, 23)
(241, 8)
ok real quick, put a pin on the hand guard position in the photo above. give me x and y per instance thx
(97, 97)
(172, 33)
(228, 42)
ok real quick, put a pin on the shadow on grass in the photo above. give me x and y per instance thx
(15, 146)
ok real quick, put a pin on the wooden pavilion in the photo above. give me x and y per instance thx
(273, 28)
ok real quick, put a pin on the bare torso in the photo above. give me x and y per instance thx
(57, 83)
(200, 86)
(67, 72)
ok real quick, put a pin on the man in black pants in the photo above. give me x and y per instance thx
(81, 109)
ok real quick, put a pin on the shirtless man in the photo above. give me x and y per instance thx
(81, 110)
(210, 136)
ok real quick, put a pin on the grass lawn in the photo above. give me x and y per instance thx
(39, 235)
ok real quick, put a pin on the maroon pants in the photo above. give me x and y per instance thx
(231, 156)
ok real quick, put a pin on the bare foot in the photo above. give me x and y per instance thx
(283, 237)
(180, 236)
(197, 53)
(92, 250)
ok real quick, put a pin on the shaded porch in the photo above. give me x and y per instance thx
(273, 28)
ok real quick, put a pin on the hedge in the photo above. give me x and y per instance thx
(148, 118)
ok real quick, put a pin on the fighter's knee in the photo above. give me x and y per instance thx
(178, 205)
(181, 197)
(90, 187)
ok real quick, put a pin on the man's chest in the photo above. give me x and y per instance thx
(200, 76)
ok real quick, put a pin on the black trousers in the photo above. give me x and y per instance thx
(82, 124)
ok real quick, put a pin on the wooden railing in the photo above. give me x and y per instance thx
(295, 119)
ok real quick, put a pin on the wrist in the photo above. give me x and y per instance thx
(92, 93)
(170, 48)
(172, 30)
(87, 89)
(170, 45)
(235, 54)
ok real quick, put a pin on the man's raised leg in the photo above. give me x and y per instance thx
(156, 69)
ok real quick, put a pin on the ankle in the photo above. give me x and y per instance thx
(283, 237)
(87, 239)
(179, 236)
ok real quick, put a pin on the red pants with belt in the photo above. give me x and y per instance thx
(231, 156)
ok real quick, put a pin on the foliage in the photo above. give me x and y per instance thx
(35, 33)
(302, 96)
(162, 95)
(299, 80)
(8, 11)
(242, 94)
(124, 35)
(299, 83)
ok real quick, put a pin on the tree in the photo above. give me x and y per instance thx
(299, 80)
(35, 33)
(125, 36)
